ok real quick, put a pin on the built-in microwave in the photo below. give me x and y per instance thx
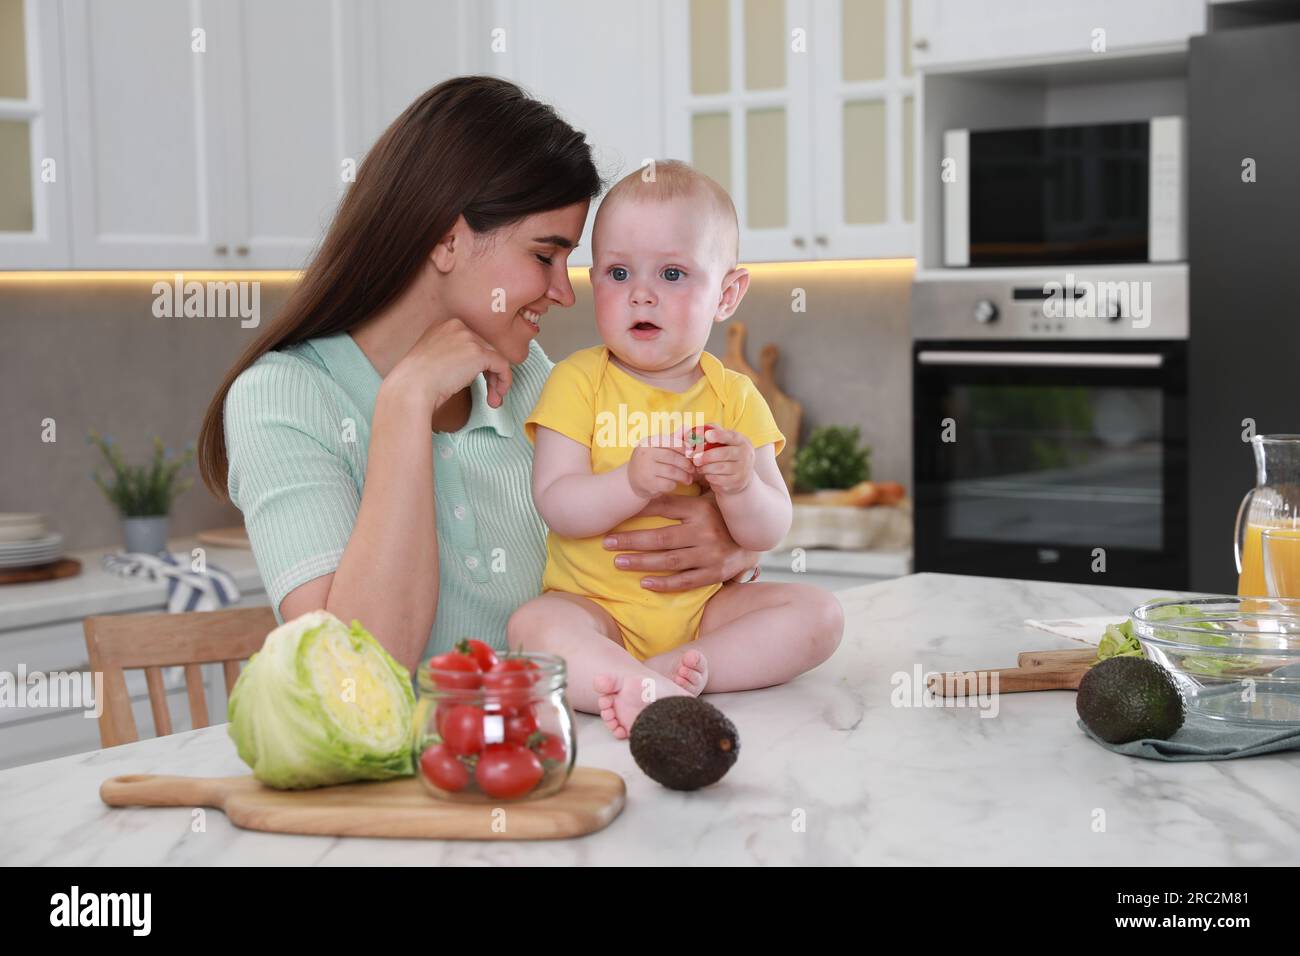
(1065, 195)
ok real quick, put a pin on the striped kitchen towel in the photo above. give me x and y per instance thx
(187, 590)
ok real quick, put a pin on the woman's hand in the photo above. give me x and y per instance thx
(446, 358)
(698, 552)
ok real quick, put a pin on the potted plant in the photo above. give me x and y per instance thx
(835, 508)
(143, 494)
(832, 459)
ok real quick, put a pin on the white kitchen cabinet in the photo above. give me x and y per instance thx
(611, 90)
(145, 134)
(863, 130)
(206, 134)
(738, 107)
(292, 124)
(949, 33)
(801, 110)
(33, 170)
(409, 46)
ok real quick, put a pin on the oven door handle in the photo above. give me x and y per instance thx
(1053, 359)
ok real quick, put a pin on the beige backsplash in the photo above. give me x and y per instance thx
(90, 354)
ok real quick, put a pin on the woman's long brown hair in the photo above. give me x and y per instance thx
(472, 145)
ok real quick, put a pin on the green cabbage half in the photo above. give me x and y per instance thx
(322, 703)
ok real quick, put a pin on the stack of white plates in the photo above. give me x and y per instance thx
(24, 541)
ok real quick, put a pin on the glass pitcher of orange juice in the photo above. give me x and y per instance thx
(1274, 502)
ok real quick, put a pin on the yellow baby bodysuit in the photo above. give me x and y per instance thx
(593, 401)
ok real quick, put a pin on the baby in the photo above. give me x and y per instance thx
(612, 429)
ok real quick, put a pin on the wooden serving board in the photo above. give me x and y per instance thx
(1036, 670)
(391, 808)
(787, 412)
(235, 537)
(62, 568)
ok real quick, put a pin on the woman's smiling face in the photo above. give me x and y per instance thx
(508, 279)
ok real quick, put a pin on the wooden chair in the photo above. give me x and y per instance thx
(150, 642)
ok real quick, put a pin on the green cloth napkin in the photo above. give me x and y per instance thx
(1203, 738)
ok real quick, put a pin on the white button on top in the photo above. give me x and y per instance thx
(459, 511)
(471, 562)
(445, 451)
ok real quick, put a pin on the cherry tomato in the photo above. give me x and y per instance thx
(483, 655)
(695, 438)
(520, 726)
(462, 729)
(517, 664)
(507, 770)
(507, 690)
(548, 747)
(441, 768)
(455, 671)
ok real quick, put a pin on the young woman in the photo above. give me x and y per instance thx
(372, 435)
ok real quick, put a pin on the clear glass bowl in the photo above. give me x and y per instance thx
(1235, 658)
(498, 737)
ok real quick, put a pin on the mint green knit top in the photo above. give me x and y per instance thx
(297, 427)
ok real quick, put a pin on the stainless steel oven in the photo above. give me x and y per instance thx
(1050, 426)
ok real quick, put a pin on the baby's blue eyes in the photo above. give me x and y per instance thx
(672, 273)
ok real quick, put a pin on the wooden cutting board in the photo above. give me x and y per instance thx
(787, 412)
(62, 568)
(235, 537)
(1036, 670)
(390, 808)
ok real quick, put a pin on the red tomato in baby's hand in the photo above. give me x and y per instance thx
(441, 768)
(695, 439)
(483, 655)
(507, 770)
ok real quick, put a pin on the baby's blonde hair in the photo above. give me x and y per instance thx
(662, 180)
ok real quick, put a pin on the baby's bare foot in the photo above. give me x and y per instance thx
(621, 700)
(684, 666)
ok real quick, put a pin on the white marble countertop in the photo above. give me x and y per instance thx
(99, 591)
(876, 783)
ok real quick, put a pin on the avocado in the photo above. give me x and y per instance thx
(1122, 699)
(683, 743)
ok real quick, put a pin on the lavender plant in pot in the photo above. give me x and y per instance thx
(143, 494)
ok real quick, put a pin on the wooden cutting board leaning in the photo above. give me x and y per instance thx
(787, 412)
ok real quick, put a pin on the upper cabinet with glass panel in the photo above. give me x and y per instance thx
(800, 109)
(736, 96)
(33, 207)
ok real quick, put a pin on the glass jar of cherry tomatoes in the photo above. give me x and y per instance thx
(490, 729)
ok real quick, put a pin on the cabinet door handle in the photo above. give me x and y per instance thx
(820, 240)
(920, 43)
(222, 249)
(800, 242)
(241, 250)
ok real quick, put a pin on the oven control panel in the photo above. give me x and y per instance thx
(1095, 303)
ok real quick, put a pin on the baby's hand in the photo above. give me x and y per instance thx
(729, 469)
(659, 468)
